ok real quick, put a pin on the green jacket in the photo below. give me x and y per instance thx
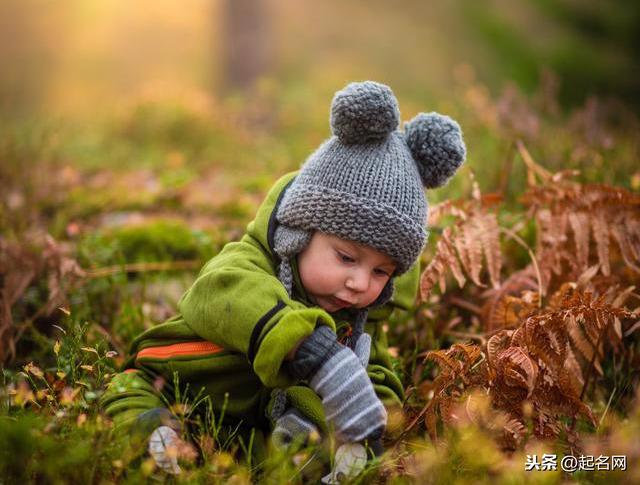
(235, 326)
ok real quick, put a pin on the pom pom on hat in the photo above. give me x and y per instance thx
(364, 112)
(436, 144)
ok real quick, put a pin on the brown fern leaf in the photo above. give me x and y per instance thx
(498, 311)
(450, 257)
(629, 251)
(581, 343)
(496, 344)
(514, 434)
(433, 273)
(585, 279)
(546, 338)
(518, 368)
(621, 297)
(461, 247)
(446, 410)
(580, 225)
(469, 352)
(572, 368)
(594, 212)
(601, 235)
(431, 421)
(488, 230)
(510, 311)
(518, 338)
(557, 301)
(572, 404)
(444, 359)
(457, 365)
(439, 211)
(470, 250)
(444, 259)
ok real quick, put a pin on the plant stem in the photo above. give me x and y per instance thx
(142, 268)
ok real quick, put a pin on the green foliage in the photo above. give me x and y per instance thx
(34, 451)
(161, 240)
(588, 44)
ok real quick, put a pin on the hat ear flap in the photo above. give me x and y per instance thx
(437, 146)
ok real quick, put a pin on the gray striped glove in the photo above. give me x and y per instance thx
(163, 429)
(362, 349)
(337, 375)
(163, 447)
(292, 426)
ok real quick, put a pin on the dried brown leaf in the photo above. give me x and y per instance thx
(601, 235)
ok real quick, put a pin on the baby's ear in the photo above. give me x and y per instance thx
(436, 144)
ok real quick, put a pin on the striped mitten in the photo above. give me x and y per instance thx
(163, 447)
(292, 426)
(339, 378)
(163, 429)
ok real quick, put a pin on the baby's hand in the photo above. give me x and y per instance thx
(293, 427)
(164, 446)
(339, 377)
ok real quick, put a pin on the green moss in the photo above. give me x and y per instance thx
(161, 240)
(152, 241)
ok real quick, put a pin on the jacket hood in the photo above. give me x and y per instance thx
(263, 227)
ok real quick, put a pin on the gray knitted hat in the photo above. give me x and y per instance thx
(366, 183)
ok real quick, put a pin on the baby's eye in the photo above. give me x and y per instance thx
(345, 258)
(381, 272)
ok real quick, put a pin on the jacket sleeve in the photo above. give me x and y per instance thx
(385, 381)
(237, 302)
(128, 395)
(141, 388)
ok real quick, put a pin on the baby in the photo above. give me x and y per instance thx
(276, 330)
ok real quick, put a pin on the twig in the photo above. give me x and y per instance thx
(142, 268)
(465, 304)
(529, 162)
(520, 241)
(607, 408)
(471, 336)
(506, 170)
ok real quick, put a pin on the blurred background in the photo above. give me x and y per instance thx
(88, 57)
(139, 83)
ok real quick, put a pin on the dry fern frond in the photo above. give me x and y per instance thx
(500, 309)
(461, 247)
(496, 344)
(595, 213)
(461, 366)
(489, 232)
(21, 265)
(519, 370)
(541, 352)
(513, 434)
(444, 259)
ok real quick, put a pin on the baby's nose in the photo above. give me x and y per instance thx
(357, 281)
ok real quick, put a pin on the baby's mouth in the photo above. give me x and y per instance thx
(340, 303)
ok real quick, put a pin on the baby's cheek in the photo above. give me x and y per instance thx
(378, 290)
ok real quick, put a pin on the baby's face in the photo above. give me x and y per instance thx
(338, 273)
